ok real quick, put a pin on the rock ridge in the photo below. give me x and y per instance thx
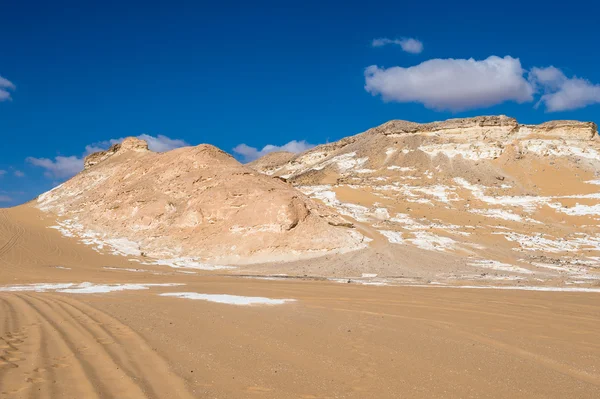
(128, 144)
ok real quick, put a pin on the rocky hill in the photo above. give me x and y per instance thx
(193, 205)
(502, 200)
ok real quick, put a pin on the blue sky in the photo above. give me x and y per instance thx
(75, 76)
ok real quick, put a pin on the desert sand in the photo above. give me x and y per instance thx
(330, 340)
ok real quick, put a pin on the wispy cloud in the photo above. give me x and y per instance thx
(62, 167)
(19, 173)
(251, 153)
(561, 93)
(5, 87)
(452, 84)
(5, 198)
(2, 172)
(407, 44)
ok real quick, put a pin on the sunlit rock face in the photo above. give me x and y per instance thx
(193, 202)
(510, 200)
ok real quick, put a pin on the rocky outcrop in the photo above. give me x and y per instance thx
(195, 202)
(566, 130)
(271, 161)
(487, 191)
(129, 144)
(505, 123)
(484, 137)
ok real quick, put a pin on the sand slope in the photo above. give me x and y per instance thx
(334, 340)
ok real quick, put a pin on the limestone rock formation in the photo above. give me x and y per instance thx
(194, 202)
(271, 160)
(508, 201)
(129, 144)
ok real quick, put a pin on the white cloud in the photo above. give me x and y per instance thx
(64, 167)
(251, 153)
(2, 172)
(5, 86)
(549, 77)
(60, 167)
(408, 44)
(5, 198)
(452, 84)
(18, 173)
(562, 93)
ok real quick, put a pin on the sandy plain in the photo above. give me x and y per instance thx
(334, 340)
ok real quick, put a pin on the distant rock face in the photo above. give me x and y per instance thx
(479, 138)
(195, 202)
(129, 144)
(519, 200)
(271, 161)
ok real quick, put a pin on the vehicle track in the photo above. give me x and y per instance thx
(14, 235)
(51, 343)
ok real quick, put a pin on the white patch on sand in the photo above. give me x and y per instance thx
(62, 267)
(543, 244)
(302, 164)
(325, 194)
(395, 237)
(369, 275)
(495, 265)
(577, 210)
(81, 288)
(559, 148)
(529, 204)
(401, 168)
(409, 223)
(514, 287)
(229, 299)
(41, 287)
(187, 263)
(432, 242)
(381, 214)
(415, 193)
(571, 270)
(89, 288)
(498, 214)
(125, 247)
(124, 269)
(98, 241)
(344, 162)
(46, 199)
(441, 193)
(380, 283)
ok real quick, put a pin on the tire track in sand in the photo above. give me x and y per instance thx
(69, 349)
(13, 236)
